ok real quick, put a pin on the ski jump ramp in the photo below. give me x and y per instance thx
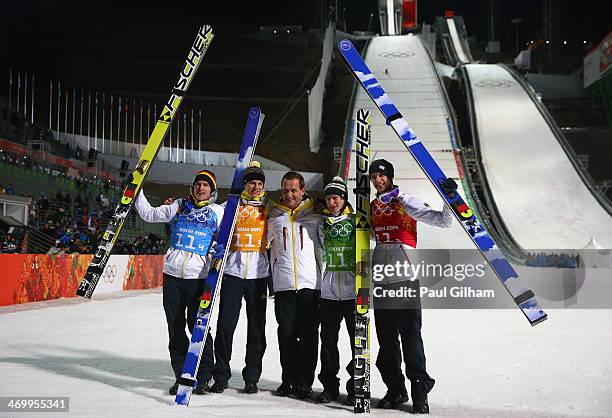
(540, 196)
(453, 37)
(405, 70)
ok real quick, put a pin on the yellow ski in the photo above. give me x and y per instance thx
(362, 263)
(138, 176)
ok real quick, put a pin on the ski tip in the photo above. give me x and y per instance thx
(345, 45)
(539, 320)
(205, 29)
(254, 112)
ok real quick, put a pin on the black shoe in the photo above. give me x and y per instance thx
(303, 392)
(420, 406)
(284, 390)
(350, 400)
(328, 395)
(174, 388)
(218, 387)
(419, 398)
(391, 400)
(201, 389)
(250, 387)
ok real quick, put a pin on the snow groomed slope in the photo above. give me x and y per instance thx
(403, 66)
(542, 199)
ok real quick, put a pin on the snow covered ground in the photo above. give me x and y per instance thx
(109, 356)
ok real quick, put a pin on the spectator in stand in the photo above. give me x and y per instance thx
(68, 201)
(43, 206)
(105, 201)
(78, 200)
(2, 190)
(8, 244)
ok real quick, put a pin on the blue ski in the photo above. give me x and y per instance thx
(187, 380)
(447, 188)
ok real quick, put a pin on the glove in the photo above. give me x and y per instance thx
(217, 251)
(449, 187)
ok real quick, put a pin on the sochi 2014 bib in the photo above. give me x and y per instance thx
(193, 230)
(250, 229)
(392, 223)
(340, 245)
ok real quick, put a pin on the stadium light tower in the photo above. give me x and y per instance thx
(516, 22)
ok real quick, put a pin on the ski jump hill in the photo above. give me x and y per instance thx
(404, 68)
(543, 197)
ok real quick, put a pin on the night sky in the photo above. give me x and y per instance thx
(39, 33)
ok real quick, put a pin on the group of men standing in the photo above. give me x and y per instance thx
(304, 251)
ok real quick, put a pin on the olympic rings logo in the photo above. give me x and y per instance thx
(110, 274)
(203, 215)
(383, 210)
(396, 54)
(247, 212)
(340, 229)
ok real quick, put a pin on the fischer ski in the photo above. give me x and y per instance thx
(362, 264)
(187, 380)
(447, 188)
(138, 176)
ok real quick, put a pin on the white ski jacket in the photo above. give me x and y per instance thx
(249, 264)
(388, 253)
(295, 252)
(178, 262)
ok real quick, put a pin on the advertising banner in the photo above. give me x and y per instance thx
(409, 14)
(37, 277)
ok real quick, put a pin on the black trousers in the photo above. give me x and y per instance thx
(182, 295)
(233, 289)
(391, 325)
(297, 315)
(332, 313)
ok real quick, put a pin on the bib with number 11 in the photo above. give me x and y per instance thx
(339, 244)
(193, 230)
(250, 229)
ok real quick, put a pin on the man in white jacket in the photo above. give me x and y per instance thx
(247, 270)
(393, 217)
(296, 274)
(337, 234)
(194, 222)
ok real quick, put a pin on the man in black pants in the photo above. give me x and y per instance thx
(194, 222)
(296, 274)
(394, 216)
(337, 289)
(179, 294)
(246, 272)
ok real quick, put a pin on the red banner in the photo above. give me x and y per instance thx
(458, 161)
(144, 272)
(37, 277)
(409, 14)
